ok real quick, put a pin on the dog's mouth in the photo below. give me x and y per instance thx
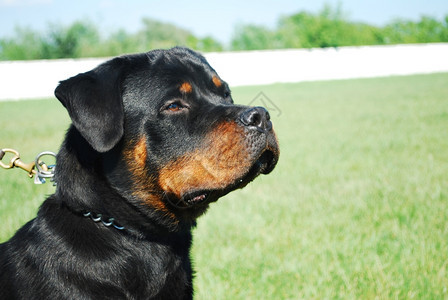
(265, 163)
(201, 198)
(194, 199)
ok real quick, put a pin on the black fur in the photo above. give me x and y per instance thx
(103, 169)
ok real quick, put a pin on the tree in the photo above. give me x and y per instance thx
(328, 28)
(76, 40)
(252, 37)
(25, 45)
(82, 39)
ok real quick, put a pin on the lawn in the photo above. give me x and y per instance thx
(356, 209)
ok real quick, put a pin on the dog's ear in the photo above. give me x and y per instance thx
(93, 100)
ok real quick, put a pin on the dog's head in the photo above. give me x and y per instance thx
(170, 137)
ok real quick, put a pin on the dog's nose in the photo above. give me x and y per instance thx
(257, 117)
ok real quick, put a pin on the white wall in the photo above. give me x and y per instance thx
(37, 79)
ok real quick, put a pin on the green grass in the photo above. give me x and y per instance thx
(29, 127)
(356, 209)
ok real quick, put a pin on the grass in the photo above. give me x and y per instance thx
(356, 209)
(29, 127)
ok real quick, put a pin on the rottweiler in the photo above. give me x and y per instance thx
(155, 138)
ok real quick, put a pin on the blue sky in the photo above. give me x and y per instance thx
(215, 18)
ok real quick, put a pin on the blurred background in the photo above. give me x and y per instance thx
(41, 29)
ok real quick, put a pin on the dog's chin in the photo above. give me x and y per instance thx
(200, 199)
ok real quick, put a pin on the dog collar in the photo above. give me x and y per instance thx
(110, 222)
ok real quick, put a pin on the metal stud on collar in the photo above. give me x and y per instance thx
(99, 218)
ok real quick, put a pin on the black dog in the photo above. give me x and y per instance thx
(155, 139)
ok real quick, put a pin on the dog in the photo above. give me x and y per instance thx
(155, 138)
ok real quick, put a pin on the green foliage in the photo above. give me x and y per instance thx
(323, 30)
(252, 37)
(331, 28)
(155, 35)
(328, 28)
(24, 46)
(427, 30)
(76, 40)
(82, 39)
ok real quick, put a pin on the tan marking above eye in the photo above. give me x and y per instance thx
(216, 81)
(185, 88)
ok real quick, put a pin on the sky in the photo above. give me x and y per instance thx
(203, 18)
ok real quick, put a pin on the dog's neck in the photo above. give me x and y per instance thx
(97, 196)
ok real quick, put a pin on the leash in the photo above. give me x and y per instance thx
(39, 169)
(41, 172)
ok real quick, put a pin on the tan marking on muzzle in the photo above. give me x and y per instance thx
(218, 163)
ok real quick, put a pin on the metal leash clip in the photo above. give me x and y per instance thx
(15, 161)
(37, 167)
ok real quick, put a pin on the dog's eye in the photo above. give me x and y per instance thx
(174, 107)
(227, 94)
